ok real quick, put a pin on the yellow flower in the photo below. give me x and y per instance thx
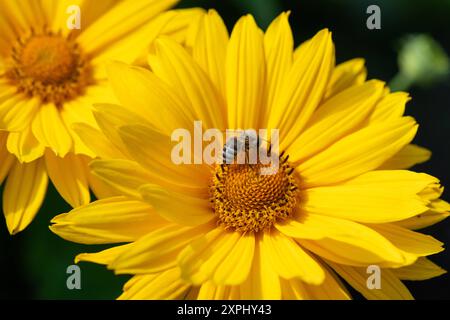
(340, 202)
(50, 75)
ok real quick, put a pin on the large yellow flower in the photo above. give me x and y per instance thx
(340, 202)
(50, 75)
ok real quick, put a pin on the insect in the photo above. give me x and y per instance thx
(247, 142)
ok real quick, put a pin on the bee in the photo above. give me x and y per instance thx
(246, 142)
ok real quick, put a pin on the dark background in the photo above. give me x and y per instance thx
(33, 264)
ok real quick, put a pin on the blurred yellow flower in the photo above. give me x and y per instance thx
(49, 77)
(340, 202)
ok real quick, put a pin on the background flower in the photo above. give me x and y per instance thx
(50, 75)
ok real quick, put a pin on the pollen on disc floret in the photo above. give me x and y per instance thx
(245, 200)
(49, 66)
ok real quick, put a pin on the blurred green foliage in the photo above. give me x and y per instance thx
(422, 61)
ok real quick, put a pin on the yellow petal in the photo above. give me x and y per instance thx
(278, 48)
(8, 33)
(110, 118)
(194, 256)
(25, 14)
(209, 50)
(6, 158)
(374, 197)
(183, 25)
(301, 49)
(172, 63)
(263, 282)
(345, 75)
(96, 141)
(339, 116)
(100, 92)
(220, 256)
(17, 112)
(152, 150)
(391, 287)
(422, 269)
(100, 189)
(423, 220)
(357, 153)
(392, 106)
(174, 23)
(23, 194)
(103, 257)
(165, 285)
(112, 220)
(124, 176)
(234, 293)
(307, 80)
(141, 92)
(210, 291)
(294, 289)
(330, 289)
(289, 260)
(346, 242)
(122, 20)
(407, 157)
(25, 146)
(7, 91)
(76, 112)
(431, 195)
(245, 75)
(50, 130)
(236, 267)
(408, 241)
(301, 228)
(177, 207)
(158, 250)
(69, 177)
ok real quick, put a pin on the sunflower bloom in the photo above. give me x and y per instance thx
(49, 77)
(341, 201)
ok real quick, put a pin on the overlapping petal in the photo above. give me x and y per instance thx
(24, 193)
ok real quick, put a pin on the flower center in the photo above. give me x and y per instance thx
(49, 66)
(246, 200)
(47, 59)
